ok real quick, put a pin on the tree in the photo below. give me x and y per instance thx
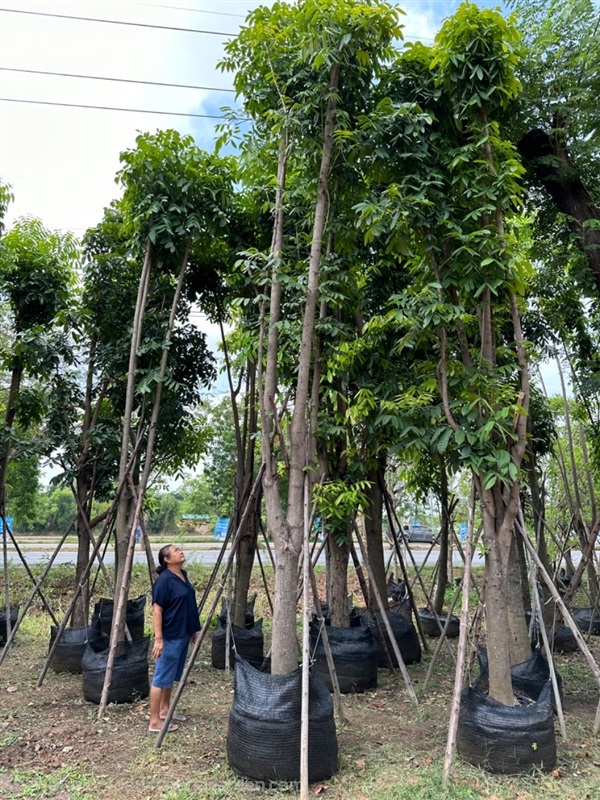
(290, 61)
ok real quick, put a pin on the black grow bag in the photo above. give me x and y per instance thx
(263, 739)
(530, 677)
(562, 640)
(69, 650)
(14, 614)
(354, 616)
(249, 618)
(405, 635)
(430, 626)
(103, 611)
(583, 620)
(354, 652)
(396, 590)
(507, 739)
(130, 671)
(249, 644)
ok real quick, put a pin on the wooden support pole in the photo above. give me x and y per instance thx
(71, 607)
(5, 563)
(559, 601)
(547, 647)
(39, 582)
(265, 583)
(31, 576)
(305, 706)
(384, 616)
(201, 636)
(462, 647)
(443, 636)
(107, 524)
(337, 695)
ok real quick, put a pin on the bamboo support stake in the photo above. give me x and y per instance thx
(305, 706)
(107, 525)
(5, 562)
(369, 604)
(268, 546)
(201, 636)
(443, 636)
(548, 648)
(384, 616)
(81, 513)
(462, 647)
(264, 577)
(559, 601)
(71, 607)
(391, 512)
(337, 695)
(31, 576)
(39, 582)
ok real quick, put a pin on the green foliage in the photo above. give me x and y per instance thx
(6, 197)
(36, 273)
(22, 491)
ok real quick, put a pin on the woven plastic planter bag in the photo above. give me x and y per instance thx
(563, 639)
(130, 671)
(405, 635)
(263, 740)
(507, 739)
(14, 614)
(249, 644)
(529, 677)
(103, 611)
(354, 652)
(587, 620)
(430, 626)
(70, 648)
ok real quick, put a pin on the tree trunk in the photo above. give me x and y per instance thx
(337, 580)
(549, 159)
(82, 606)
(373, 521)
(496, 565)
(289, 537)
(442, 577)
(537, 510)
(518, 599)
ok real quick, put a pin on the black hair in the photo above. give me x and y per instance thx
(163, 554)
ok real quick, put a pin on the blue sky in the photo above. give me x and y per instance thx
(61, 161)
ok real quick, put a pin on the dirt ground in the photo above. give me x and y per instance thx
(53, 746)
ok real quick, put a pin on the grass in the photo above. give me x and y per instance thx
(66, 783)
(389, 750)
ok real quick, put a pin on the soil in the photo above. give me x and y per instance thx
(53, 746)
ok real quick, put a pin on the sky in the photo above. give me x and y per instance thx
(61, 161)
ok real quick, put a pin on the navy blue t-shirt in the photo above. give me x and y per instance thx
(177, 599)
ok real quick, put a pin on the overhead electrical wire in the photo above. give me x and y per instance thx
(149, 25)
(118, 80)
(193, 10)
(115, 22)
(110, 108)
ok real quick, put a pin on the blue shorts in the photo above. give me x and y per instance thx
(170, 664)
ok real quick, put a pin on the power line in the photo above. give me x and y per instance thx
(116, 22)
(156, 27)
(119, 80)
(110, 108)
(193, 10)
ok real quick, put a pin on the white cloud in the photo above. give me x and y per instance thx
(61, 162)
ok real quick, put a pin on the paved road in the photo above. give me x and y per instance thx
(196, 556)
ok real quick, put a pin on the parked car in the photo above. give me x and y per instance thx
(418, 533)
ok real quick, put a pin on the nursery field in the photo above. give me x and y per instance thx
(52, 745)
